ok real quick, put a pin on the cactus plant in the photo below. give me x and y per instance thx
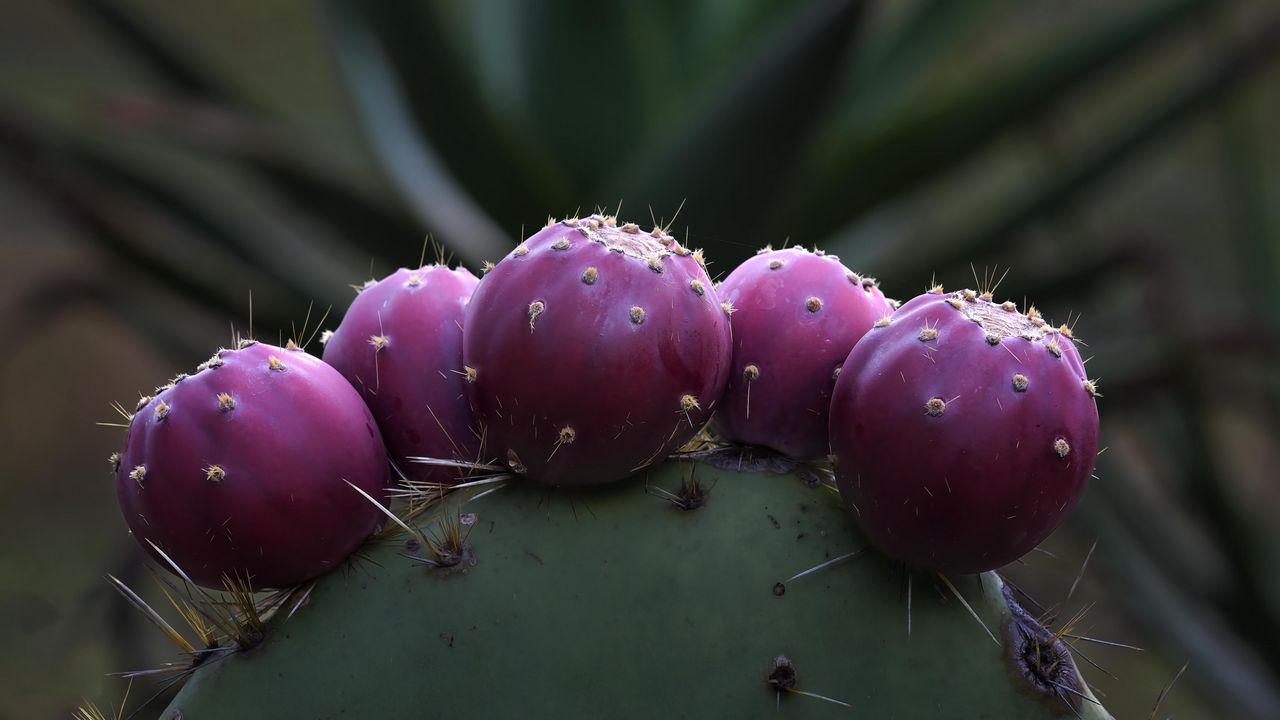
(963, 430)
(400, 345)
(798, 314)
(594, 349)
(245, 469)
(610, 601)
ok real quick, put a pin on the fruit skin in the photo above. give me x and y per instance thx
(961, 446)
(400, 345)
(797, 314)
(635, 609)
(596, 349)
(245, 463)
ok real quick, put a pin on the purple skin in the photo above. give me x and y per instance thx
(400, 345)
(964, 432)
(595, 350)
(241, 469)
(797, 315)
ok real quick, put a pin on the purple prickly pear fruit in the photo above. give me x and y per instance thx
(963, 431)
(797, 316)
(242, 469)
(594, 350)
(400, 345)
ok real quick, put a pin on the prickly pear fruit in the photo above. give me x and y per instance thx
(400, 345)
(241, 469)
(594, 350)
(797, 316)
(640, 609)
(964, 431)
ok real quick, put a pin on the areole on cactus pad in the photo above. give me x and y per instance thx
(593, 350)
(963, 431)
(244, 470)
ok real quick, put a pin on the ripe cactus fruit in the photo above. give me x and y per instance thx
(242, 469)
(643, 609)
(963, 431)
(797, 316)
(400, 345)
(595, 350)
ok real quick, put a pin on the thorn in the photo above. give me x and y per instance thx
(966, 605)
(1083, 567)
(826, 564)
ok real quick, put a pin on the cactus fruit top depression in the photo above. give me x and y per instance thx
(241, 470)
(594, 349)
(963, 431)
(400, 345)
(798, 314)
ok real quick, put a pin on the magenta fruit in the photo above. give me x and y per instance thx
(964, 431)
(400, 345)
(242, 469)
(798, 314)
(594, 350)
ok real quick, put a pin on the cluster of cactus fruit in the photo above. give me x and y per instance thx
(958, 430)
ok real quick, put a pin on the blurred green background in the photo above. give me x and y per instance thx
(160, 161)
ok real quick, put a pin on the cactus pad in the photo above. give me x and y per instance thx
(611, 601)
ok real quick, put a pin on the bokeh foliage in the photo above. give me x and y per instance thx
(1119, 157)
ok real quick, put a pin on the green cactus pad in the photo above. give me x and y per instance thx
(613, 602)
